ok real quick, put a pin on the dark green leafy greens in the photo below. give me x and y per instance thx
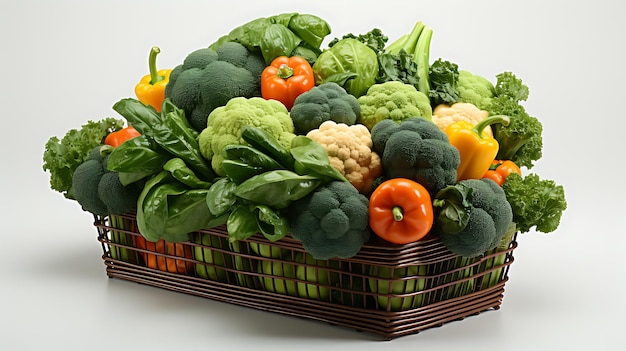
(444, 76)
(170, 130)
(285, 34)
(170, 210)
(173, 202)
(263, 179)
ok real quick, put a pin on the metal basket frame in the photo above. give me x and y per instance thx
(386, 289)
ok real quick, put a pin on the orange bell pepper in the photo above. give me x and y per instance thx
(116, 139)
(500, 169)
(151, 88)
(159, 261)
(401, 211)
(477, 149)
(286, 78)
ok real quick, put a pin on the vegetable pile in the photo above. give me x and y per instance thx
(267, 130)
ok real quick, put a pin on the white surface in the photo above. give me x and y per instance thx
(64, 62)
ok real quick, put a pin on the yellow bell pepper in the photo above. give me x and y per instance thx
(476, 148)
(151, 88)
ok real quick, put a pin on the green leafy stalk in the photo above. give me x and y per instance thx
(408, 42)
(494, 277)
(121, 238)
(422, 57)
(417, 44)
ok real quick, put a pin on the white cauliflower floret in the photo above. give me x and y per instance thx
(444, 115)
(349, 150)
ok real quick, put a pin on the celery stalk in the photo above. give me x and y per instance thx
(493, 278)
(117, 237)
(421, 56)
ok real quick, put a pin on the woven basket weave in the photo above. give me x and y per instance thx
(388, 290)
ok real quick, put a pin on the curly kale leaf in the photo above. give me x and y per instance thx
(535, 202)
(62, 156)
(521, 141)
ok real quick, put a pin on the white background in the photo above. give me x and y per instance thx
(66, 62)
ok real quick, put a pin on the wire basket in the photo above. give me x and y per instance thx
(386, 289)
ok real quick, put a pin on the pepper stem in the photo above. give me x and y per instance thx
(480, 126)
(398, 214)
(154, 76)
(284, 71)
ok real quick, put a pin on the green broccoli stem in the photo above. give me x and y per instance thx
(398, 213)
(154, 75)
(509, 143)
(497, 119)
(284, 71)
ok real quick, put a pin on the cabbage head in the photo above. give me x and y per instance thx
(349, 63)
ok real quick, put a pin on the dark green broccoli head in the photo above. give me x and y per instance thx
(119, 199)
(327, 101)
(475, 239)
(85, 186)
(416, 149)
(489, 196)
(209, 78)
(199, 59)
(100, 191)
(472, 216)
(95, 154)
(239, 56)
(331, 221)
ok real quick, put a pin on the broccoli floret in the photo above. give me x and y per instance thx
(99, 190)
(416, 149)
(85, 186)
(118, 198)
(472, 216)
(520, 141)
(226, 122)
(474, 89)
(395, 101)
(327, 101)
(331, 221)
(209, 78)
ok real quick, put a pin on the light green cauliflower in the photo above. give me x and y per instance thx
(393, 100)
(475, 90)
(225, 123)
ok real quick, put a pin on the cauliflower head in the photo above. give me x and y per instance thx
(349, 150)
(444, 115)
(225, 123)
(393, 100)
